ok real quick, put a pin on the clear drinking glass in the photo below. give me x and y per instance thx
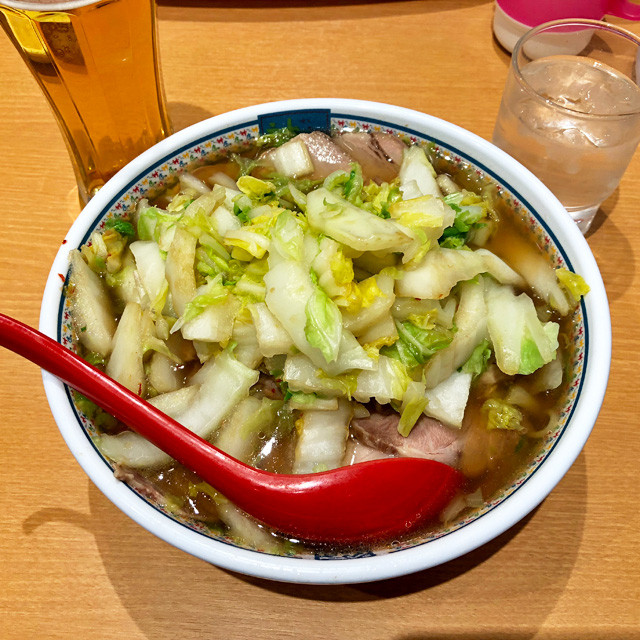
(570, 111)
(97, 64)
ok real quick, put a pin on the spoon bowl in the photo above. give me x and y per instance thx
(364, 502)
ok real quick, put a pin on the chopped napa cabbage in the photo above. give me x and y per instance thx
(213, 292)
(416, 345)
(413, 404)
(240, 434)
(288, 237)
(175, 402)
(154, 340)
(425, 217)
(276, 137)
(426, 211)
(425, 313)
(381, 334)
(252, 242)
(197, 215)
(151, 268)
(292, 159)
(179, 269)
(521, 342)
(125, 362)
(573, 284)
(471, 212)
(348, 185)
(363, 295)
(289, 289)
(548, 377)
(273, 339)
(441, 269)
(499, 269)
(352, 226)
(255, 188)
(333, 268)
(387, 382)
(303, 375)
(126, 284)
(242, 527)
(470, 321)
(520, 397)
(250, 285)
(378, 198)
(181, 201)
(104, 252)
(502, 415)
(189, 181)
(342, 290)
(223, 385)
(162, 373)
(323, 328)
(478, 360)
(90, 307)
(298, 197)
(224, 220)
(447, 185)
(153, 223)
(123, 227)
(417, 175)
(376, 298)
(214, 323)
(311, 401)
(244, 337)
(351, 356)
(372, 197)
(322, 439)
(537, 273)
(448, 400)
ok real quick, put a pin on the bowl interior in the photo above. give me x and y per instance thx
(150, 174)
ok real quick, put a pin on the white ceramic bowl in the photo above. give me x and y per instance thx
(539, 210)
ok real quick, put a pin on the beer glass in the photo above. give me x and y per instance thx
(97, 64)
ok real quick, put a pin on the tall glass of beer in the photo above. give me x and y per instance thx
(97, 64)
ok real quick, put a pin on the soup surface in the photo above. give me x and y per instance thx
(320, 301)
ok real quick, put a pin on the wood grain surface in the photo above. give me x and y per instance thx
(73, 566)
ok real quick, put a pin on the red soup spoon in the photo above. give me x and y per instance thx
(370, 501)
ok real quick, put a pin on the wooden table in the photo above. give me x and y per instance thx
(73, 566)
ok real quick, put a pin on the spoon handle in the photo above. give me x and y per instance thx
(349, 504)
(212, 464)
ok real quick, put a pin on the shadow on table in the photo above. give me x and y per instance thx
(170, 594)
(183, 114)
(609, 230)
(304, 10)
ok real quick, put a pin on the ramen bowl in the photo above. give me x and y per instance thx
(535, 209)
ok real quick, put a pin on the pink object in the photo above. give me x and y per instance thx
(513, 18)
(534, 12)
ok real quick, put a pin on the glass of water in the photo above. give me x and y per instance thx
(570, 111)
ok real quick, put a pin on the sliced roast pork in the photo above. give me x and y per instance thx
(429, 438)
(379, 154)
(325, 155)
(359, 452)
(137, 481)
